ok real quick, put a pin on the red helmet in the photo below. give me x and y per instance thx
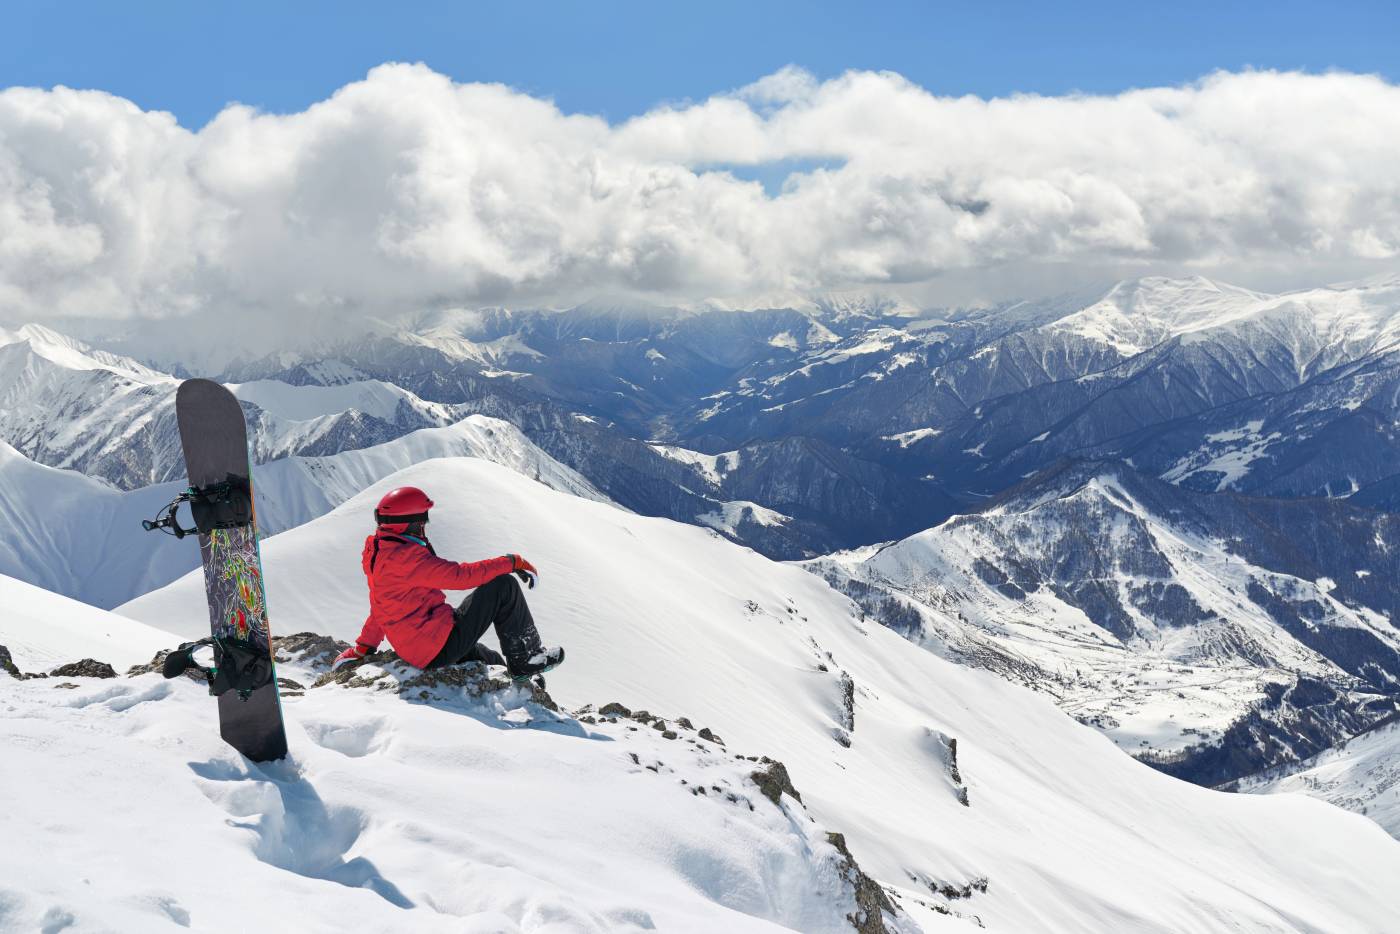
(402, 505)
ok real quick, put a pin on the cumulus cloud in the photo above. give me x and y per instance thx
(407, 190)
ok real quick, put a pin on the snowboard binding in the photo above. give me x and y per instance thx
(236, 667)
(536, 665)
(227, 504)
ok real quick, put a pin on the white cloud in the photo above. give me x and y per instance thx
(407, 190)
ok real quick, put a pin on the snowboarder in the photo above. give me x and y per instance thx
(406, 601)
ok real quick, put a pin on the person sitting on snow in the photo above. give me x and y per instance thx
(406, 601)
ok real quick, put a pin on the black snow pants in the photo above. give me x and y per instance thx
(499, 601)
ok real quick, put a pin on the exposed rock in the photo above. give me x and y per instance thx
(948, 746)
(948, 890)
(7, 663)
(67, 685)
(870, 897)
(842, 733)
(385, 671)
(614, 710)
(772, 779)
(707, 735)
(307, 648)
(157, 664)
(86, 668)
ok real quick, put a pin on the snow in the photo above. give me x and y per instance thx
(906, 438)
(1136, 315)
(80, 537)
(300, 403)
(72, 354)
(296, 489)
(735, 513)
(1361, 775)
(74, 535)
(713, 467)
(1230, 453)
(43, 629)
(1161, 688)
(447, 815)
(1070, 834)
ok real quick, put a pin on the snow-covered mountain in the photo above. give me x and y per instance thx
(1361, 775)
(922, 415)
(81, 537)
(1211, 633)
(64, 404)
(956, 791)
(1204, 383)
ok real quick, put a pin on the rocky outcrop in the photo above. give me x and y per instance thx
(772, 779)
(385, 671)
(85, 668)
(7, 664)
(871, 899)
(307, 648)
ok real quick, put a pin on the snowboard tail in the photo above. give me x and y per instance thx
(215, 441)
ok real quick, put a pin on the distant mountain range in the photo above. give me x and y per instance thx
(1173, 498)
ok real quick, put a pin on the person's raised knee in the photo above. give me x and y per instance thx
(506, 583)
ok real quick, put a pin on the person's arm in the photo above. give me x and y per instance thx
(433, 571)
(371, 634)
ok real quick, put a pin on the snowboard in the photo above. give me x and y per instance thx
(214, 436)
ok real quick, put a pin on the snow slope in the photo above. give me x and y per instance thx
(1064, 832)
(294, 490)
(427, 811)
(78, 536)
(1361, 775)
(43, 629)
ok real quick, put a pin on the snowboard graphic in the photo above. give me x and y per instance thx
(215, 440)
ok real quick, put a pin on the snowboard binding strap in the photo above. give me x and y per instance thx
(237, 667)
(227, 504)
(167, 522)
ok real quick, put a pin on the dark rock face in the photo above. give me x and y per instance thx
(86, 668)
(871, 900)
(772, 779)
(7, 663)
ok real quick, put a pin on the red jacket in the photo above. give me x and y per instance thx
(406, 603)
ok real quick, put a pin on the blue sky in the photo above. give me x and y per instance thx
(618, 59)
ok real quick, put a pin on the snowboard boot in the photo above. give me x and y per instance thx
(545, 659)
